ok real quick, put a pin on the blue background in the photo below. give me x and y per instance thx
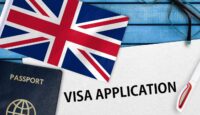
(148, 23)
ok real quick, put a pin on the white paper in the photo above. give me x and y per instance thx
(138, 65)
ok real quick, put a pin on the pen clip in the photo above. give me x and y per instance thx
(184, 97)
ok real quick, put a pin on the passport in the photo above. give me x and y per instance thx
(28, 90)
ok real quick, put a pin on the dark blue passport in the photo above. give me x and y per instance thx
(28, 90)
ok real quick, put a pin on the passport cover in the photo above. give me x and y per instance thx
(28, 90)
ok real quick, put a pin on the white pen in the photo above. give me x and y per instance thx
(31, 61)
(186, 92)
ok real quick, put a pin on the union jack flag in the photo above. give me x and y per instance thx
(65, 33)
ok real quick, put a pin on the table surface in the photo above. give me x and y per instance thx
(148, 23)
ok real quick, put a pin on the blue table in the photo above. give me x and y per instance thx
(148, 22)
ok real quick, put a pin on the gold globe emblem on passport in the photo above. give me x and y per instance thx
(20, 107)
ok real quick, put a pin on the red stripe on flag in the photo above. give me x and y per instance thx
(24, 42)
(38, 7)
(33, 22)
(91, 42)
(105, 23)
(56, 52)
(69, 13)
(94, 65)
(61, 37)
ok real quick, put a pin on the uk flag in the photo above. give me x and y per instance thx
(65, 33)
